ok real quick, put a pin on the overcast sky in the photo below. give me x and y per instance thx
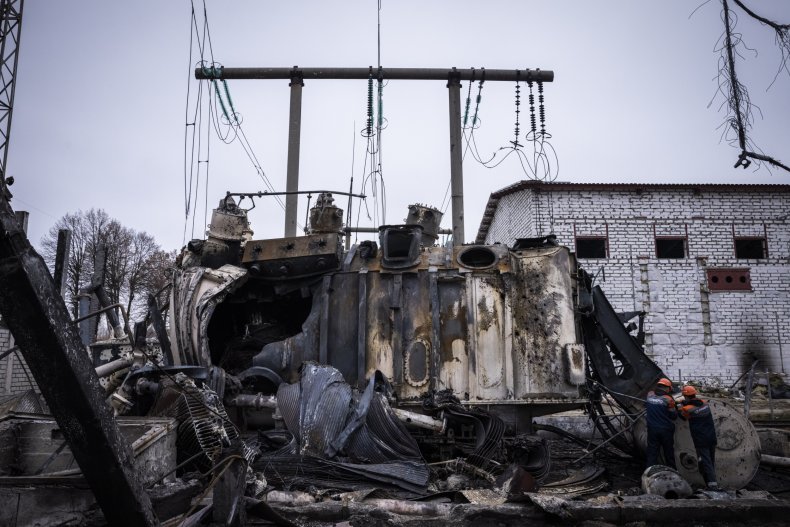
(99, 114)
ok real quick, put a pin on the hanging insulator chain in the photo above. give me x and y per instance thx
(532, 108)
(221, 102)
(230, 101)
(542, 109)
(479, 97)
(468, 98)
(380, 117)
(518, 110)
(369, 127)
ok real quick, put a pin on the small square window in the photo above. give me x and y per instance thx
(668, 247)
(751, 248)
(591, 247)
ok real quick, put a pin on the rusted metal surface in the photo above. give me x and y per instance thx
(452, 326)
(297, 257)
(544, 322)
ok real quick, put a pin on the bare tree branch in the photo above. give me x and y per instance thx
(777, 27)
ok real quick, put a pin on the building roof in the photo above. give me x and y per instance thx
(493, 200)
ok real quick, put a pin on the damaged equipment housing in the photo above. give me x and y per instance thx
(494, 325)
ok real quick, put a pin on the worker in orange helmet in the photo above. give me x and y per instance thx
(661, 415)
(703, 432)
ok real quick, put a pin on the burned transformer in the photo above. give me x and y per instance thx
(379, 362)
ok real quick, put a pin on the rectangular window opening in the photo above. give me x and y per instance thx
(670, 247)
(750, 247)
(591, 247)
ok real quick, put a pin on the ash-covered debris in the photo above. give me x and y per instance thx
(340, 438)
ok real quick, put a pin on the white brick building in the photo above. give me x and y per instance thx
(15, 377)
(709, 263)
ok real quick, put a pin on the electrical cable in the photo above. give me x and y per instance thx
(222, 118)
(544, 163)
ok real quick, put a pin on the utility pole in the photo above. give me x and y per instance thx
(456, 158)
(453, 77)
(10, 31)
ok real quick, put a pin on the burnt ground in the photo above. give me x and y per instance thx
(618, 503)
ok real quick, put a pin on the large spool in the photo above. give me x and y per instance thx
(737, 451)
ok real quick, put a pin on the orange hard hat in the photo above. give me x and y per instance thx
(689, 391)
(665, 382)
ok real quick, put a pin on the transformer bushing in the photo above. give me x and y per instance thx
(325, 217)
(427, 217)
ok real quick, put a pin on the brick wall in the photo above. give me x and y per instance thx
(14, 374)
(691, 330)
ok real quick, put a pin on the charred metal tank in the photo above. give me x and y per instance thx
(450, 336)
(494, 325)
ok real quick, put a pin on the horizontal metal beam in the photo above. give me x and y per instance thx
(425, 74)
(377, 230)
(263, 193)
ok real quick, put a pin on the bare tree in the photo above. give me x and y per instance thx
(86, 229)
(136, 265)
(118, 241)
(146, 272)
(739, 106)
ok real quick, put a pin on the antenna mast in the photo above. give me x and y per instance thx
(10, 29)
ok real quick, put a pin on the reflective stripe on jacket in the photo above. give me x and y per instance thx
(697, 412)
(661, 411)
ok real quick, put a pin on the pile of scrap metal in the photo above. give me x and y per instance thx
(400, 369)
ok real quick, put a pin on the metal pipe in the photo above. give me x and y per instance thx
(102, 310)
(425, 74)
(747, 401)
(456, 158)
(253, 401)
(421, 420)
(262, 193)
(294, 134)
(111, 367)
(375, 230)
(775, 461)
